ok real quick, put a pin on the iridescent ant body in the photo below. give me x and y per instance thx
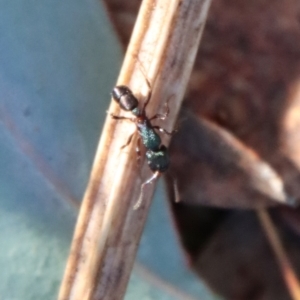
(156, 154)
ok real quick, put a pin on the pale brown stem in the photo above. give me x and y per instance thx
(164, 44)
(285, 265)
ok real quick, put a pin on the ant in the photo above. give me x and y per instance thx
(128, 102)
(156, 154)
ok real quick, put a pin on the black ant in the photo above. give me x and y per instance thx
(128, 102)
(156, 154)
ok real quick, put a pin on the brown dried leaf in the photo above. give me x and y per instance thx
(246, 80)
(212, 167)
(240, 147)
(238, 262)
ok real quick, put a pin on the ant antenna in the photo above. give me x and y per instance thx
(143, 71)
(148, 181)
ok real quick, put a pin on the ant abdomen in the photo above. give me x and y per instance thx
(156, 154)
(158, 161)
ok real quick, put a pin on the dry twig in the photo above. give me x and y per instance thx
(165, 41)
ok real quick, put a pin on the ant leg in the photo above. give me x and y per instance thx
(175, 189)
(128, 141)
(164, 115)
(138, 150)
(164, 130)
(150, 180)
(122, 118)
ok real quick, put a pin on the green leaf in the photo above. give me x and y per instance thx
(58, 63)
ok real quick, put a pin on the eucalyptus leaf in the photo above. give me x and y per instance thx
(58, 63)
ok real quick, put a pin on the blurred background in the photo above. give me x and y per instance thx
(58, 63)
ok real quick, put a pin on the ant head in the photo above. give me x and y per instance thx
(124, 97)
